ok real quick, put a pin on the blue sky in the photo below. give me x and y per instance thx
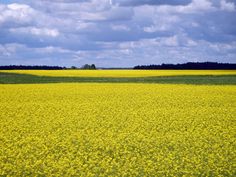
(116, 33)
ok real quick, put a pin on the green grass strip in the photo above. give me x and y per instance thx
(12, 78)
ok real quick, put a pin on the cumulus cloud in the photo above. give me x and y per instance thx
(16, 14)
(117, 32)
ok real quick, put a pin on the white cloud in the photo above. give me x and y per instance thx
(227, 6)
(22, 7)
(134, 32)
(36, 31)
(162, 23)
(9, 50)
(16, 13)
(196, 6)
(120, 28)
(170, 41)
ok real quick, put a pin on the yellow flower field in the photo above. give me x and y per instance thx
(117, 129)
(123, 73)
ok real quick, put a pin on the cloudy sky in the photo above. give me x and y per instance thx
(116, 33)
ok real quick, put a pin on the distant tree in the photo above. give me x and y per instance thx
(93, 66)
(73, 67)
(89, 67)
(86, 66)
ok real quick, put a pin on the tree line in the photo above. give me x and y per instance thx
(190, 65)
(184, 66)
(45, 67)
(23, 67)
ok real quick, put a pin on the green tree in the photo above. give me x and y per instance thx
(87, 66)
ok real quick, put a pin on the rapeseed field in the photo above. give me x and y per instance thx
(122, 73)
(90, 129)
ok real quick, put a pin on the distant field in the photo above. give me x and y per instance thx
(213, 77)
(141, 125)
(120, 73)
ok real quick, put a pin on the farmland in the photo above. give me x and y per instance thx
(121, 73)
(117, 129)
(196, 77)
